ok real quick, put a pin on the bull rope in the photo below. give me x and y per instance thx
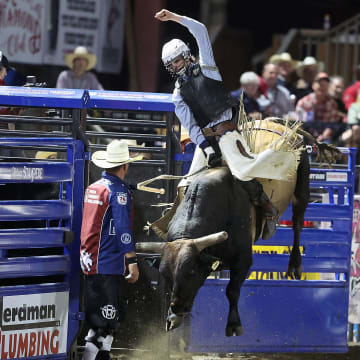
(142, 185)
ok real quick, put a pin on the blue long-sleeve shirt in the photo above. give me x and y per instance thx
(106, 234)
(208, 67)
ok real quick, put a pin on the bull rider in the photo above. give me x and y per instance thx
(209, 113)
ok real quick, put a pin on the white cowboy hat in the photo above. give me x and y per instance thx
(133, 143)
(283, 57)
(309, 60)
(81, 52)
(184, 134)
(116, 154)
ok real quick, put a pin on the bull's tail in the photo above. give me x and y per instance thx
(326, 153)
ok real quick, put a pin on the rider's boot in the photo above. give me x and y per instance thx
(271, 216)
(259, 198)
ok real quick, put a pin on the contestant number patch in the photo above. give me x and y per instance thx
(125, 238)
(121, 198)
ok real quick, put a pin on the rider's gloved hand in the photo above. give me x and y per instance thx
(213, 159)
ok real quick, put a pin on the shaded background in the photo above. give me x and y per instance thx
(249, 28)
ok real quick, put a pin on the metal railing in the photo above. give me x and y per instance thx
(338, 48)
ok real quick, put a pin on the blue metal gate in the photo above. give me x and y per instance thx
(40, 232)
(287, 315)
(39, 315)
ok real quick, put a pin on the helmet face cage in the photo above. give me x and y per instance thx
(173, 50)
(170, 69)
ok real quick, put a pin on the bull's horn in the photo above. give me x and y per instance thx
(209, 240)
(150, 247)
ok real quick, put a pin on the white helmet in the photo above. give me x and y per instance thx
(172, 50)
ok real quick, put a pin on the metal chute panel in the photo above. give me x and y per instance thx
(40, 220)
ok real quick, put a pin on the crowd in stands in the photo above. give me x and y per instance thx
(301, 90)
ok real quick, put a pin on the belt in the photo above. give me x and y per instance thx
(219, 129)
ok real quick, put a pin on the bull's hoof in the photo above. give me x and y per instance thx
(294, 273)
(233, 330)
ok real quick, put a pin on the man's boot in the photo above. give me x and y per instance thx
(258, 197)
(271, 216)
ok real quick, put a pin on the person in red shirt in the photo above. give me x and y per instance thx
(350, 94)
(319, 110)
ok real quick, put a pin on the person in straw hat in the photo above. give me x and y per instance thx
(107, 251)
(79, 77)
(287, 76)
(307, 71)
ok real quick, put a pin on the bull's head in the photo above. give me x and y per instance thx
(185, 269)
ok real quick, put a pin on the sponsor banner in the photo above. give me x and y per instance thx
(97, 25)
(22, 173)
(317, 176)
(78, 24)
(336, 176)
(22, 29)
(354, 300)
(34, 325)
(111, 36)
(267, 275)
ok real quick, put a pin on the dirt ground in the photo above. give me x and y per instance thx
(353, 354)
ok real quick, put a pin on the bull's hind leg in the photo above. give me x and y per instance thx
(302, 196)
(238, 273)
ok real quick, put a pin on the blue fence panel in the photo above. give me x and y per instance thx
(43, 97)
(130, 100)
(46, 285)
(288, 315)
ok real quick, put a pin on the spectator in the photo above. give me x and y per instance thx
(107, 250)
(249, 87)
(278, 101)
(4, 67)
(319, 109)
(351, 92)
(307, 70)
(287, 74)
(336, 91)
(79, 77)
(354, 113)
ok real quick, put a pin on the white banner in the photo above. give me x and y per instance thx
(111, 38)
(34, 325)
(97, 25)
(22, 29)
(77, 25)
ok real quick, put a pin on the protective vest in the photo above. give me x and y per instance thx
(206, 98)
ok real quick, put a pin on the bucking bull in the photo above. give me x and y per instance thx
(215, 203)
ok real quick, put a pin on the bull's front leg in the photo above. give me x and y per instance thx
(238, 274)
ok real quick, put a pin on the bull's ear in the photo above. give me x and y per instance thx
(212, 262)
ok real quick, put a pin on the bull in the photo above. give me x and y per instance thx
(214, 227)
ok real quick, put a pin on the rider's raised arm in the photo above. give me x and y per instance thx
(200, 33)
(197, 29)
